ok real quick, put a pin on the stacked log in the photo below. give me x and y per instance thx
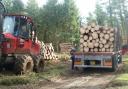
(47, 51)
(95, 38)
(65, 47)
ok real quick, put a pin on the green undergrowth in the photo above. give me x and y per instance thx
(53, 70)
(121, 80)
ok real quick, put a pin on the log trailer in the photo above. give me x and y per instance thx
(99, 59)
(19, 49)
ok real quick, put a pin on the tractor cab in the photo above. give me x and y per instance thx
(17, 34)
(18, 26)
(2, 8)
(2, 11)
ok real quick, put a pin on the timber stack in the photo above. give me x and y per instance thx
(95, 38)
(47, 51)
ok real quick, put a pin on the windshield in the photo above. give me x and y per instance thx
(8, 25)
(2, 9)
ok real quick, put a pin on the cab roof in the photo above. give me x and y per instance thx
(20, 16)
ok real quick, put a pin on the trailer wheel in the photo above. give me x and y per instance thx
(38, 64)
(114, 63)
(23, 64)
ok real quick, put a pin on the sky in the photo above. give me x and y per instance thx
(84, 6)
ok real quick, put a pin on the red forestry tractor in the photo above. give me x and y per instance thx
(19, 50)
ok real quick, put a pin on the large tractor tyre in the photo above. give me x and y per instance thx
(38, 64)
(114, 63)
(23, 64)
(3, 65)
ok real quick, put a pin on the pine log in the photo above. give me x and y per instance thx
(85, 27)
(103, 49)
(85, 37)
(98, 32)
(90, 45)
(108, 32)
(97, 28)
(81, 49)
(101, 35)
(107, 50)
(97, 40)
(111, 39)
(94, 35)
(88, 41)
(112, 46)
(101, 45)
(104, 41)
(106, 46)
(81, 40)
(95, 49)
(81, 36)
(106, 28)
(111, 34)
(81, 46)
(90, 38)
(89, 27)
(96, 44)
(86, 49)
(85, 44)
(111, 30)
(104, 31)
(100, 50)
(93, 25)
(111, 50)
(92, 29)
(92, 50)
(82, 30)
(93, 41)
(106, 36)
(86, 31)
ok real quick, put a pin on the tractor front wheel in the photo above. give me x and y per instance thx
(23, 64)
(38, 64)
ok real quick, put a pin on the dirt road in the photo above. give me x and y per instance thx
(88, 79)
(82, 80)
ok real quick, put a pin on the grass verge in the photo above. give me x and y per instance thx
(52, 70)
(121, 80)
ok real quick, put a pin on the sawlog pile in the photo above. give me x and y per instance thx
(47, 51)
(95, 38)
(65, 47)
